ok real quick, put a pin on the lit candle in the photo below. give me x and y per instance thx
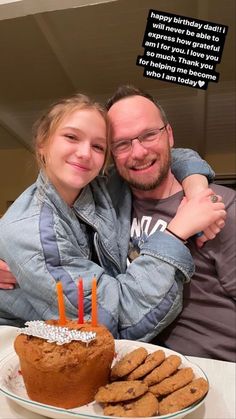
(61, 307)
(94, 302)
(80, 301)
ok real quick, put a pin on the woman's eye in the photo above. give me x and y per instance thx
(99, 147)
(71, 137)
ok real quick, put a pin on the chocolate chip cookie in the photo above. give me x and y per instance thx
(184, 397)
(168, 367)
(120, 391)
(153, 360)
(146, 405)
(180, 379)
(127, 364)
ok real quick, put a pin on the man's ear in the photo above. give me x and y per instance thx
(170, 135)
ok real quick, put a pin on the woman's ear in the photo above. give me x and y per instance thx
(42, 153)
(42, 158)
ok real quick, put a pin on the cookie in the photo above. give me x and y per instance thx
(146, 405)
(120, 391)
(184, 397)
(153, 360)
(128, 363)
(167, 368)
(173, 383)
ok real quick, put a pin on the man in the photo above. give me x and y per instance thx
(141, 141)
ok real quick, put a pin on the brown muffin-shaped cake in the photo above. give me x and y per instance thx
(66, 375)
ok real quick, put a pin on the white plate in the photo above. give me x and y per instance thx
(12, 386)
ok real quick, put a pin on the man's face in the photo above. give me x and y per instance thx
(143, 166)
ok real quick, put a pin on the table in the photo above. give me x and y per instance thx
(219, 404)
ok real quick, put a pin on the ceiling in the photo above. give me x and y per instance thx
(47, 54)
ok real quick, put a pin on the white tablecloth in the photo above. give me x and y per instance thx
(219, 403)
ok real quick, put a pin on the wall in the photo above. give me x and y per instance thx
(224, 163)
(17, 171)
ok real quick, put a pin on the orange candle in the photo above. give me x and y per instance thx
(94, 302)
(80, 301)
(61, 306)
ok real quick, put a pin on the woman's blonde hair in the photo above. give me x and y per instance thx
(46, 125)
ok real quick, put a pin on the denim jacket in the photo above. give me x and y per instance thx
(44, 241)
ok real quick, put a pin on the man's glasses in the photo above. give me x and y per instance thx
(123, 146)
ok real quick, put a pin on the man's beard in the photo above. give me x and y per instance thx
(154, 183)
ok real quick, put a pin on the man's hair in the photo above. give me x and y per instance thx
(128, 90)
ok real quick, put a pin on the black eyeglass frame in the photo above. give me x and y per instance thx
(142, 138)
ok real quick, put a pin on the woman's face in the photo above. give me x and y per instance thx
(76, 151)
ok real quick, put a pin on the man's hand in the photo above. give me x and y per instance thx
(210, 232)
(198, 214)
(192, 185)
(7, 280)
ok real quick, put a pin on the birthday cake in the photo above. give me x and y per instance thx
(66, 366)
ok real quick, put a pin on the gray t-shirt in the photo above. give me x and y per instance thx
(206, 327)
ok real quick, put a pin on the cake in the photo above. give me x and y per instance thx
(65, 375)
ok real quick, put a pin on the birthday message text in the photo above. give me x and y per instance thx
(182, 50)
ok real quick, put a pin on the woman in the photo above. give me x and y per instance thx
(64, 227)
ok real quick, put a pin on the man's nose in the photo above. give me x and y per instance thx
(137, 149)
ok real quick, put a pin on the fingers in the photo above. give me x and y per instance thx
(200, 241)
(216, 205)
(210, 232)
(209, 192)
(220, 223)
(209, 197)
(4, 266)
(221, 216)
(7, 280)
(197, 214)
(5, 286)
(206, 236)
(219, 198)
